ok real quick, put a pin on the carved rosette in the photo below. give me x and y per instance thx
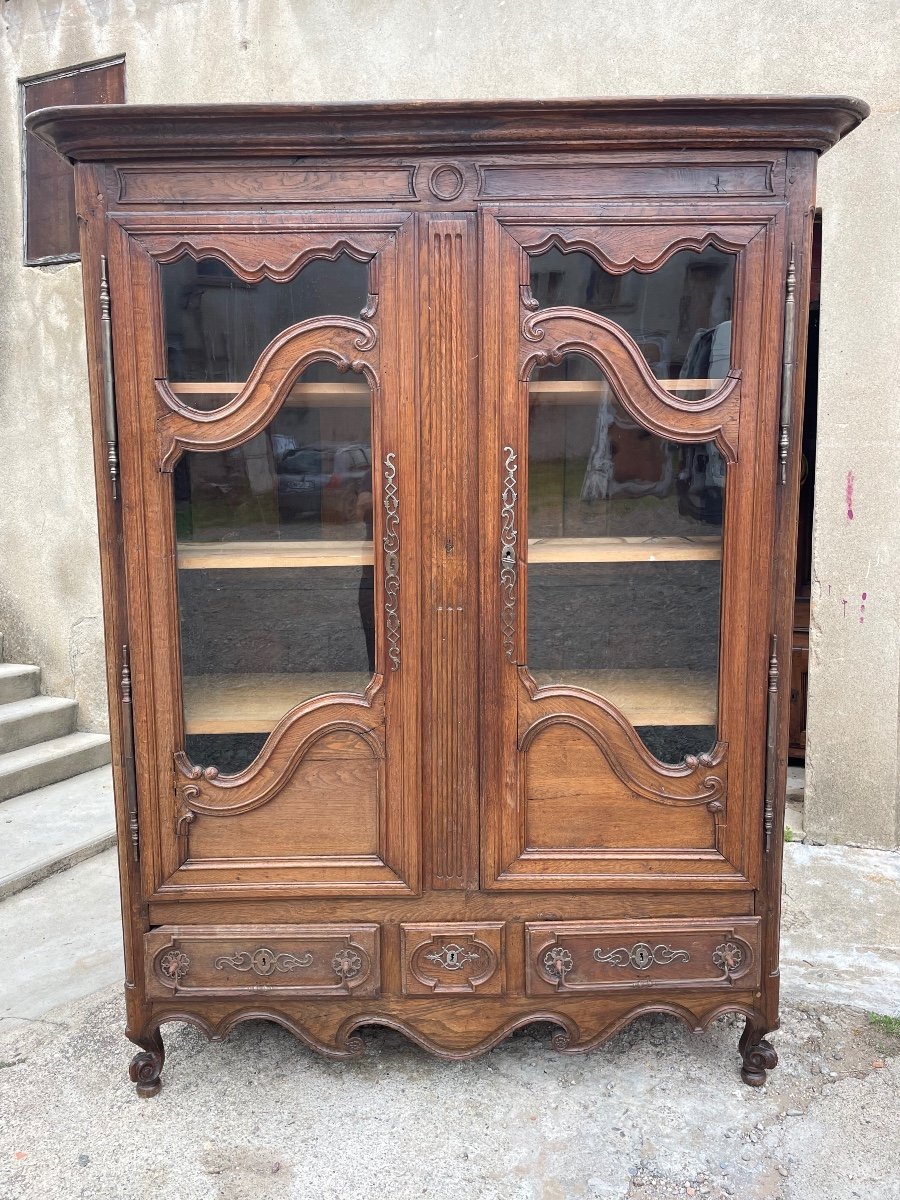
(508, 554)
(391, 545)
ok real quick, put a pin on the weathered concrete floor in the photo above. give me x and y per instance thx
(657, 1112)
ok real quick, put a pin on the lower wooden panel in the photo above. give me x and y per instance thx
(598, 956)
(223, 960)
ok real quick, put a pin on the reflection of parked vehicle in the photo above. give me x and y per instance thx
(324, 480)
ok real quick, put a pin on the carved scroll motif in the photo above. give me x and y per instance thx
(263, 961)
(391, 542)
(641, 956)
(508, 555)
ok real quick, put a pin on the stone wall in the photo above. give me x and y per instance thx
(183, 51)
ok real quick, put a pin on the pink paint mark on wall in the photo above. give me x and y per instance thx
(849, 494)
(862, 607)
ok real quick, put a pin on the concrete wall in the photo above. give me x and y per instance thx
(209, 50)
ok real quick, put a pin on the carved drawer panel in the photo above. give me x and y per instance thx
(576, 956)
(223, 960)
(440, 959)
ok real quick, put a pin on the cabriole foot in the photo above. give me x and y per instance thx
(146, 1067)
(759, 1055)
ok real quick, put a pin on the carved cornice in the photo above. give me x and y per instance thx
(128, 133)
(567, 330)
(348, 344)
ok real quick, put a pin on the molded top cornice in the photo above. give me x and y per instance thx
(127, 132)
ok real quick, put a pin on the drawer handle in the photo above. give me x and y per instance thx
(729, 957)
(642, 956)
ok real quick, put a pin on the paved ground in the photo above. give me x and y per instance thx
(656, 1113)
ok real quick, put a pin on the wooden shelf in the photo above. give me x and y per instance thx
(623, 549)
(219, 556)
(592, 391)
(647, 697)
(256, 703)
(317, 395)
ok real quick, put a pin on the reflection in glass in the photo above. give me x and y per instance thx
(624, 560)
(276, 575)
(217, 325)
(679, 315)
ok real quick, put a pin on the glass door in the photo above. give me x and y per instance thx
(625, 581)
(279, 584)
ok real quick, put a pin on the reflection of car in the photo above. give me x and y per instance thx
(323, 479)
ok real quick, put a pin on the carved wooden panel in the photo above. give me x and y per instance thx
(614, 956)
(228, 960)
(449, 417)
(453, 958)
(309, 183)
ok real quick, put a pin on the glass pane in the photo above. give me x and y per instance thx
(275, 569)
(624, 560)
(679, 315)
(217, 325)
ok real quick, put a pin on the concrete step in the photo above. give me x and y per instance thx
(37, 719)
(48, 762)
(18, 681)
(54, 827)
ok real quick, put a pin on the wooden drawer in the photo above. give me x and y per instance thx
(455, 958)
(232, 960)
(579, 956)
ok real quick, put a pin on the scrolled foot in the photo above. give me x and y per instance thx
(759, 1055)
(145, 1068)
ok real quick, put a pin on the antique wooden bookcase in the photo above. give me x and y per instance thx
(447, 470)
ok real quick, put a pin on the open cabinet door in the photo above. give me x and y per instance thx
(625, 609)
(272, 661)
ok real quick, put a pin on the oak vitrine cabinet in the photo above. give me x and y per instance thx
(447, 464)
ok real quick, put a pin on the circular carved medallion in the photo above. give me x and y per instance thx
(446, 182)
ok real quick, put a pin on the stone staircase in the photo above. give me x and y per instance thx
(56, 805)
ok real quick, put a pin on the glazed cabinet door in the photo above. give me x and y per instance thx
(630, 448)
(269, 516)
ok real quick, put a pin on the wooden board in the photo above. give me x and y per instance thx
(623, 549)
(316, 395)
(592, 391)
(256, 703)
(651, 697)
(217, 556)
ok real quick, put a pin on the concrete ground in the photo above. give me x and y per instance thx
(657, 1112)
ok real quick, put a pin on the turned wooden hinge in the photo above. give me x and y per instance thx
(787, 368)
(128, 755)
(109, 392)
(771, 742)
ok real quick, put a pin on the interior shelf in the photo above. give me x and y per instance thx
(217, 556)
(661, 696)
(591, 391)
(317, 395)
(256, 703)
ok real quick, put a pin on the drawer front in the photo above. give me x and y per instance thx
(456, 958)
(233, 960)
(593, 956)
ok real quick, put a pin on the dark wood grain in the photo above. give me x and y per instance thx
(456, 815)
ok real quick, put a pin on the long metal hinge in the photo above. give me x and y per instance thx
(109, 393)
(771, 742)
(128, 757)
(787, 368)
